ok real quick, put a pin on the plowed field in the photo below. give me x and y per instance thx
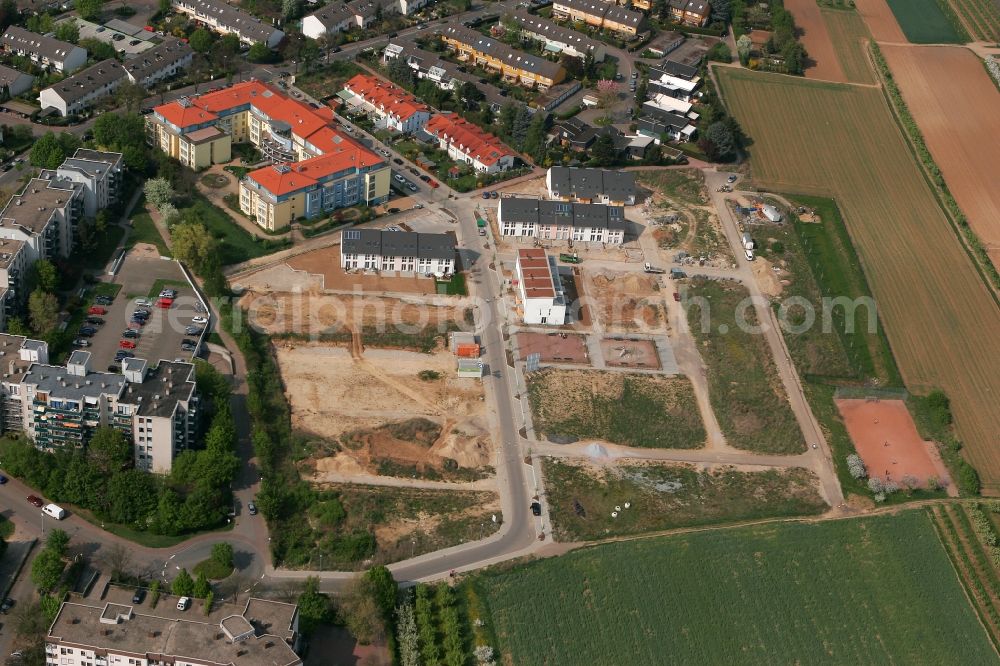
(941, 320)
(822, 61)
(880, 21)
(957, 107)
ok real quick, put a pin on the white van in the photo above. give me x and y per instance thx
(56, 512)
(749, 254)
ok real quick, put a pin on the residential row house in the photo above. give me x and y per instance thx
(600, 15)
(582, 185)
(558, 39)
(445, 74)
(393, 108)
(227, 19)
(116, 631)
(467, 143)
(15, 82)
(561, 221)
(543, 298)
(43, 50)
(689, 12)
(60, 407)
(316, 169)
(83, 90)
(397, 252)
(515, 66)
(340, 17)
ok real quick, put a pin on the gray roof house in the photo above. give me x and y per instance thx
(16, 82)
(591, 185)
(43, 50)
(158, 63)
(401, 251)
(557, 220)
(82, 90)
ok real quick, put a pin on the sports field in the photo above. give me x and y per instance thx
(848, 34)
(940, 84)
(925, 22)
(861, 591)
(841, 141)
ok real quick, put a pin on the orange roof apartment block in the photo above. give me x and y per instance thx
(317, 168)
(466, 142)
(393, 107)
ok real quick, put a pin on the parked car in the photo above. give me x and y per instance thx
(731, 179)
(104, 300)
(121, 355)
(165, 303)
(126, 344)
(183, 603)
(397, 160)
(36, 501)
(411, 187)
(96, 321)
(424, 177)
(80, 342)
(130, 333)
(252, 508)
(143, 301)
(3, 479)
(139, 595)
(398, 178)
(168, 293)
(536, 509)
(198, 307)
(414, 171)
(199, 320)
(433, 183)
(193, 330)
(486, 195)
(494, 195)
(7, 604)
(97, 310)
(87, 331)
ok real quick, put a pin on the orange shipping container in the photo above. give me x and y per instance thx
(467, 350)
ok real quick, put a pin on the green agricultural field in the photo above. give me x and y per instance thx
(743, 383)
(858, 591)
(928, 22)
(649, 411)
(664, 496)
(941, 320)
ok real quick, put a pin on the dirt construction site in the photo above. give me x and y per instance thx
(384, 410)
(628, 301)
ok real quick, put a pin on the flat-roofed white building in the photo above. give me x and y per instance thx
(543, 300)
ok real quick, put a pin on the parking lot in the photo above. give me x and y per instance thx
(163, 333)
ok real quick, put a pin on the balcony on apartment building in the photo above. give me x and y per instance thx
(276, 145)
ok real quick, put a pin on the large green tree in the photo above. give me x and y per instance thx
(314, 607)
(194, 245)
(43, 310)
(182, 585)
(108, 451)
(52, 149)
(201, 40)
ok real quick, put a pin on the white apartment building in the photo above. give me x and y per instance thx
(561, 221)
(116, 632)
(158, 63)
(543, 300)
(43, 50)
(14, 81)
(397, 252)
(100, 174)
(44, 216)
(332, 18)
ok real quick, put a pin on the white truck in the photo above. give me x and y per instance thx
(748, 246)
(650, 268)
(55, 511)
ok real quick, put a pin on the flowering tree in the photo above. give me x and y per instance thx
(607, 93)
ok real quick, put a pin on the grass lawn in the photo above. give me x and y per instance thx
(868, 590)
(135, 536)
(456, 286)
(235, 243)
(212, 570)
(144, 230)
(745, 389)
(648, 411)
(664, 496)
(101, 255)
(927, 22)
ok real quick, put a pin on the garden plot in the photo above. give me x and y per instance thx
(385, 412)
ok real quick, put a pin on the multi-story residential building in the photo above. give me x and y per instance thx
(515, 66)
(397, 252)
(15, 82)
(543, 300)
(99, 172)
(44, 216)
(558, 39)
(393, 107)
(559, 221)
(82, 90)
(59, 407)
(663, 126)
(17, 353)
(601, 15)
(43, 50)
(115, 632)
(158, 63)
(662, 82)
(163, 408)
(690, 12)
(330, 169)
(13, 265)
(467, 143)
(445, 74)
(330, 19)
(591, 185)
(227, 19)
